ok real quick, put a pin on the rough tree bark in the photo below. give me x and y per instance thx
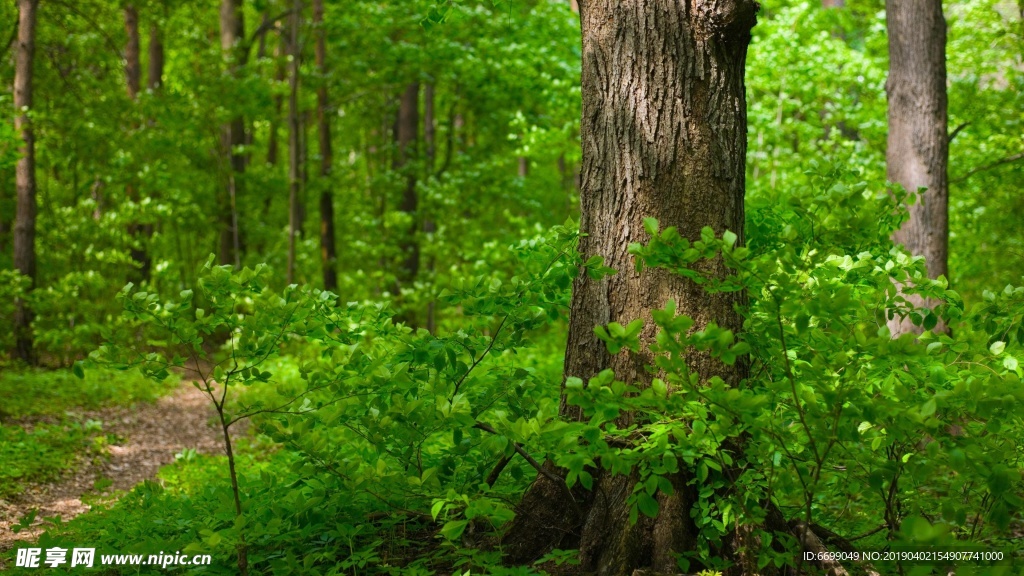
(917, 151)
(232, 34)
(25, 177)
(664, 134)
(294, 137)
(328, 246)
(406, 134)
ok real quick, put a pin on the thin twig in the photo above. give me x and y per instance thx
(957, 131)
(560, 482)
(996, 164)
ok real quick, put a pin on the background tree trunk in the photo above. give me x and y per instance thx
(664, 135)
(328, 246)
(294, 138)
(232, 34)
(406, 134)
(917, 151)
(25, 176)
(430, 157)
(156, 58)
(272, 139)
(132, 60)
(133, 83)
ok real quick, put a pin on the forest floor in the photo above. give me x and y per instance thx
(146, 437)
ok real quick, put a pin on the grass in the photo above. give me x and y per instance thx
(187, 508)
(37, 392)
(42, 431)
(39, 455)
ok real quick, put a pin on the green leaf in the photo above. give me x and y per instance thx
(651, 226)
(453, 530)
(930, 321)
(647, 505)
(729, 238)
(997, 347)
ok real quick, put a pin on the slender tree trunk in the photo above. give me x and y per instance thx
(272, 140)
(328, 247)
(429, 128)
(6, 216)
(155, 79)
(156, 58)
(232, 33)
(522, 166)
(430, 156)
(25, 177)
(406, 134)
(303, 169)
(132, 58)
(664, 135)
(133, 84)
(294, 137)
(833, 3)
(917, 150)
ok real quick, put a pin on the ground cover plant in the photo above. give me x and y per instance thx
(605, 287)
(45, 424)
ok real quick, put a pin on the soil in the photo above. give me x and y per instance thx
(147, 435)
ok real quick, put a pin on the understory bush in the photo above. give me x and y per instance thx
(397, 451)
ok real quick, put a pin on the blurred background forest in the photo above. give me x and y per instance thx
(420, 160)
(423, 149)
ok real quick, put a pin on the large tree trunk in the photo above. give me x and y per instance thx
(328, 247)
(917, 150)
(294, 138)
(232, 33)
(406, 134)
(664, 135)
(25, 176)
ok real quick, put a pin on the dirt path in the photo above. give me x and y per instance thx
(151, 434)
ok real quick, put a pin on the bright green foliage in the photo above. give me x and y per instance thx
(922, 436)
(382, 449)
(838, 424)
(816, 90)
(34, 393)
(384, 418)
(506, 82)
